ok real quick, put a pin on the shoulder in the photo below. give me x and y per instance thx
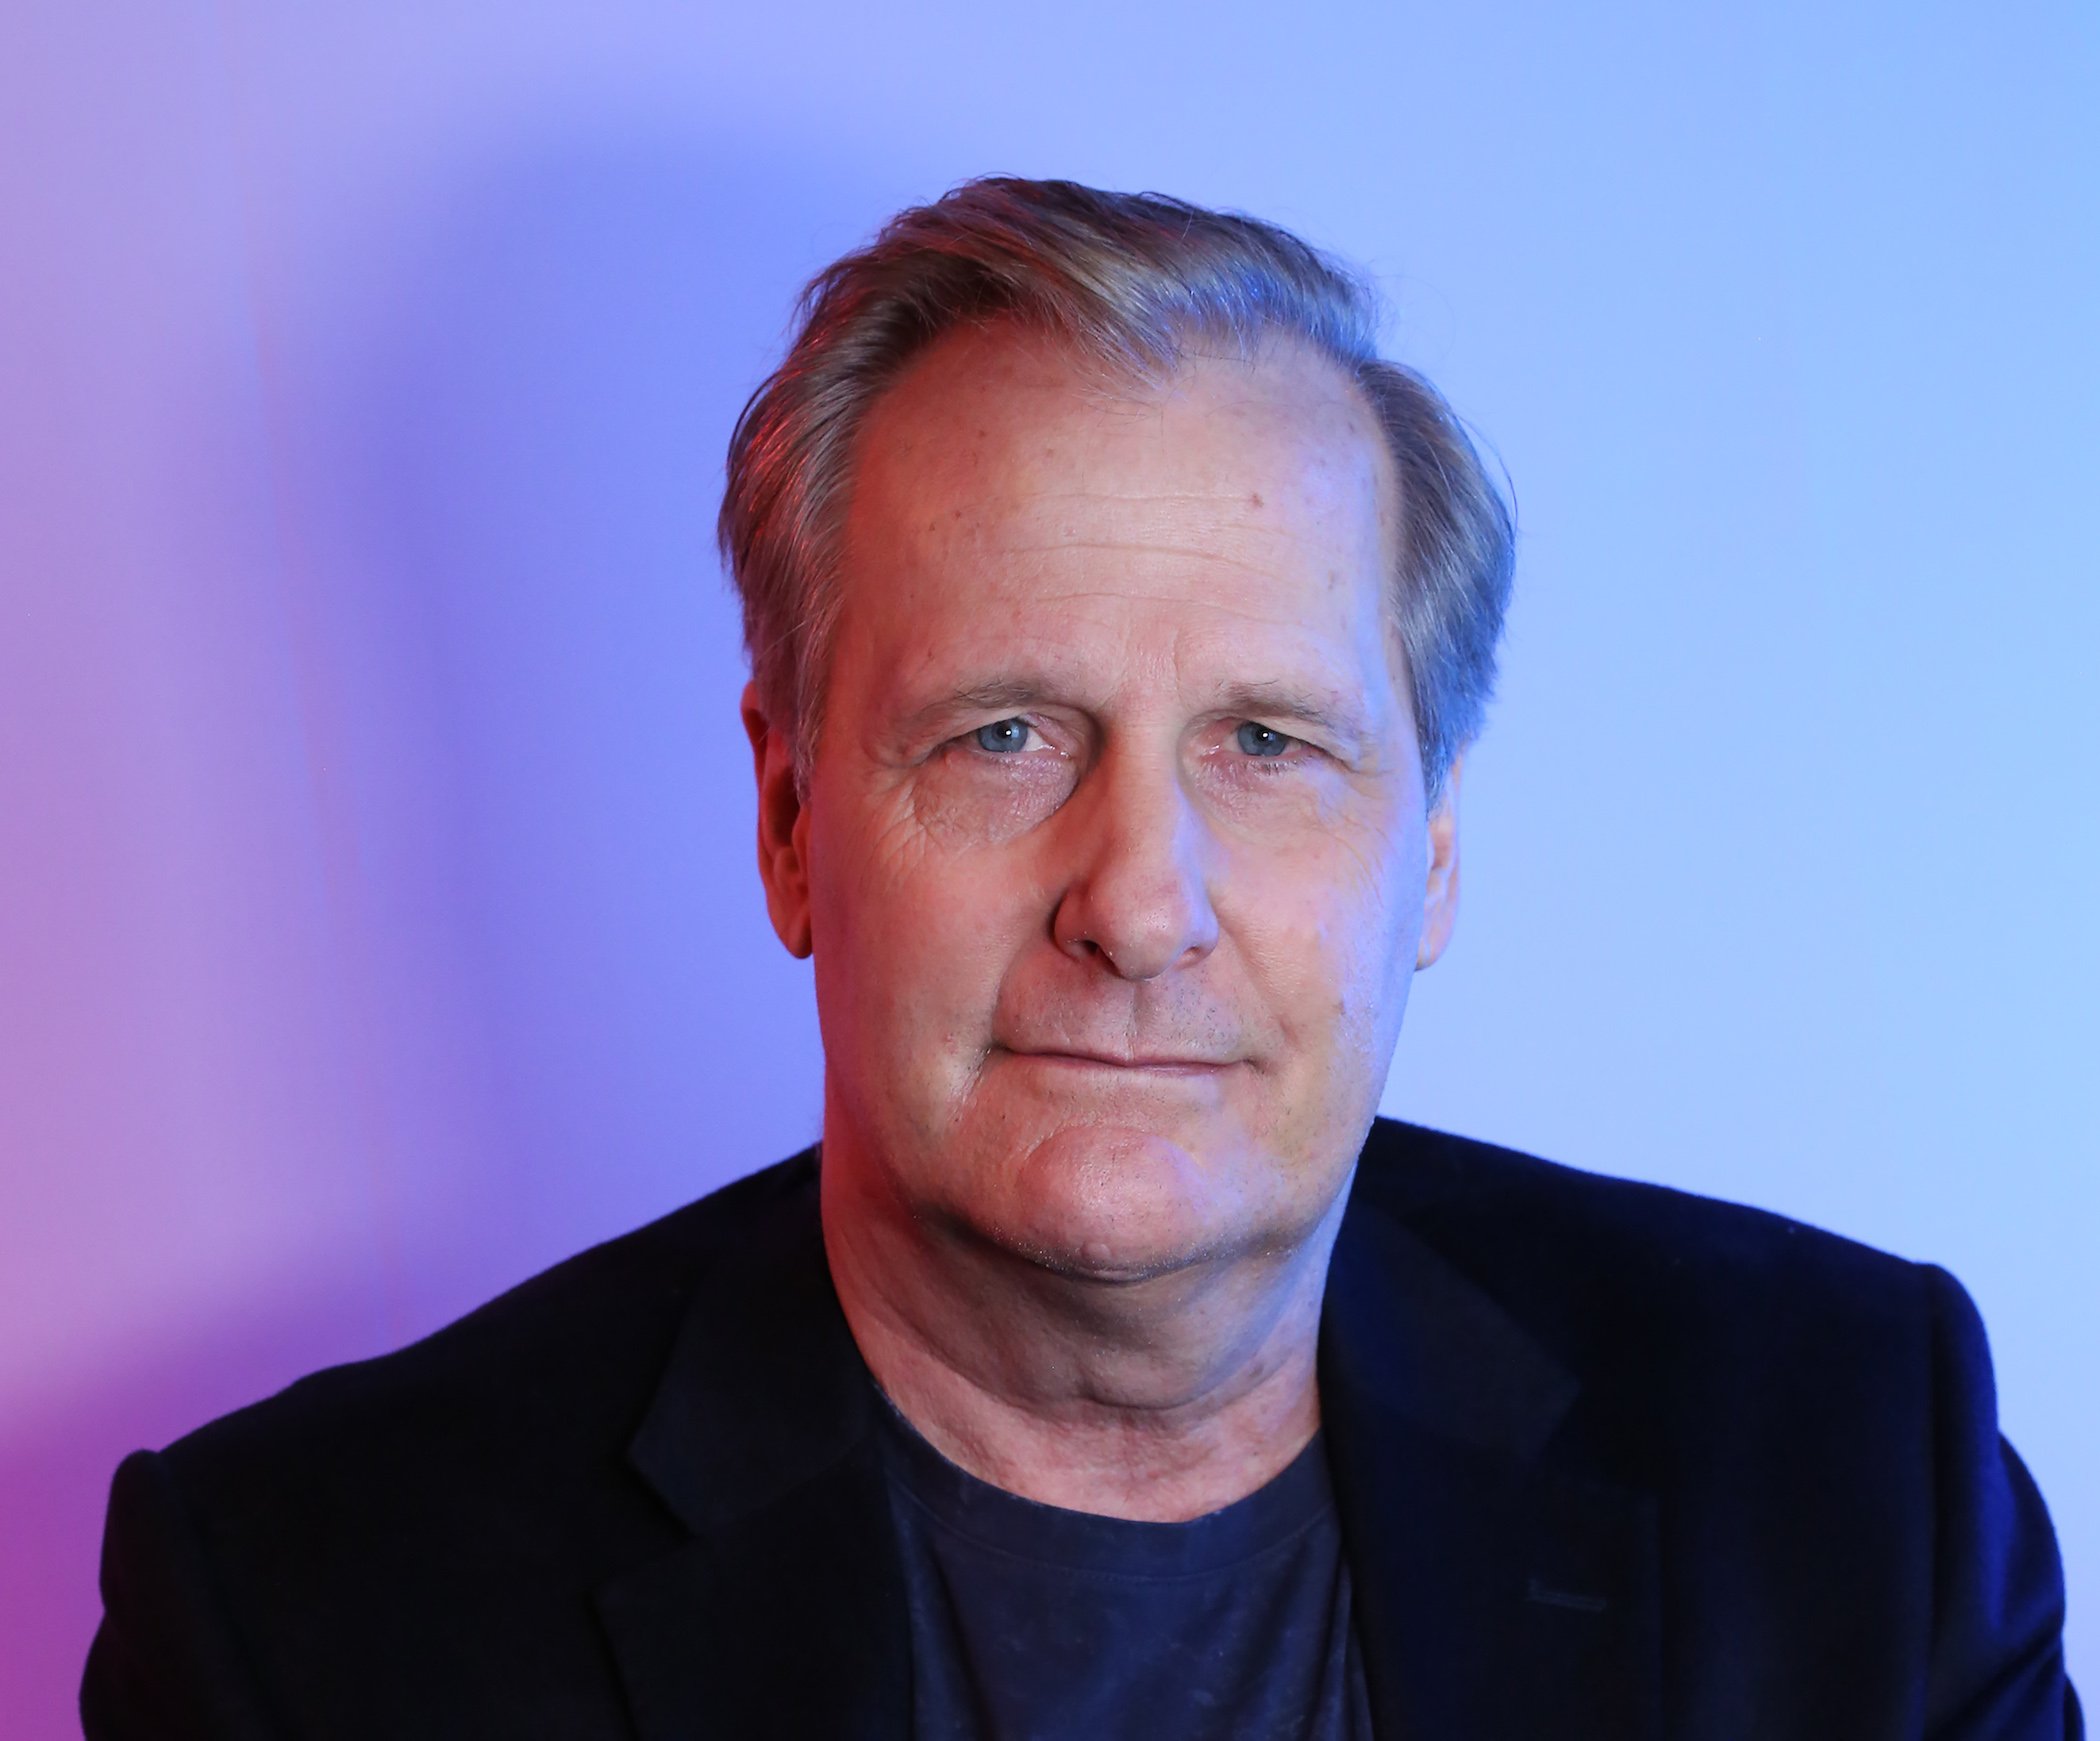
(565, 1363)
(1648, 1293)
(1591, 1232)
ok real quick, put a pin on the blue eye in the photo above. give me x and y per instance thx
(1003, 736)
(1262, 740)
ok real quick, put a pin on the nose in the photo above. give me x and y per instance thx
(1139, 898)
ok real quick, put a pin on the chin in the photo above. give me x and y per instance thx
(1123, 1204)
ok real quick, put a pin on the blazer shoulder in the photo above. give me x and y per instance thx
(1609, 1271)
(1459, 1183)
(568, 1358)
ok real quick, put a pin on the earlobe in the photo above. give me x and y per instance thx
(782, 828)
(1440, 896)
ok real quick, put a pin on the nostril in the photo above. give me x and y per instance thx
(1094, 946)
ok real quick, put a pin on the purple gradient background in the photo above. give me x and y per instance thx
(379, 917)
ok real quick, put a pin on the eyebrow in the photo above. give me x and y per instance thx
(1328, 710)
(993, 694)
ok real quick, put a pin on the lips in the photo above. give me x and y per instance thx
(1178, 1062)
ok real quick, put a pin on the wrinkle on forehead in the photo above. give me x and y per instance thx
(1076, 463)
(1118, 547)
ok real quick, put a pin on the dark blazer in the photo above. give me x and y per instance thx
(1612, 1462)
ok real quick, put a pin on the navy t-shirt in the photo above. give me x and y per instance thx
(1031, 1623)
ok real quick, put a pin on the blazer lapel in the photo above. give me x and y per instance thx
(1494, 1597)
(783, 1614)
(789, 1623)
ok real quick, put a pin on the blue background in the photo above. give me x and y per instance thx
(377, 911)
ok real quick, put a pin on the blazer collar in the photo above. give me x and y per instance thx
(1493, 1596)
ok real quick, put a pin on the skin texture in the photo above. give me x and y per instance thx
(1108, 988)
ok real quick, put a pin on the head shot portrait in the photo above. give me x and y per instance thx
(1121, 620)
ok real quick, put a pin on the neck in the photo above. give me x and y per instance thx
(1158, 1399)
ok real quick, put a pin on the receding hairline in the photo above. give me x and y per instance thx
(1063, 362)
(1019, 333)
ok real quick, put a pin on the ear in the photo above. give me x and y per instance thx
(1440, 899)
(783, 828)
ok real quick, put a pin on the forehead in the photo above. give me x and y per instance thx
(993, 424)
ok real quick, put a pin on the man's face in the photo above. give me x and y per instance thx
(1114, 860)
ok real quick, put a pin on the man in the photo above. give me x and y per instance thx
(1117, 620)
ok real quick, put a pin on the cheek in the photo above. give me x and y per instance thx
(915, 935)
(1332, 932)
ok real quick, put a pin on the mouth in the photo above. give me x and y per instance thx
(1150, 1064)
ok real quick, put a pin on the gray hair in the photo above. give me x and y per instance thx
(1126, 281)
